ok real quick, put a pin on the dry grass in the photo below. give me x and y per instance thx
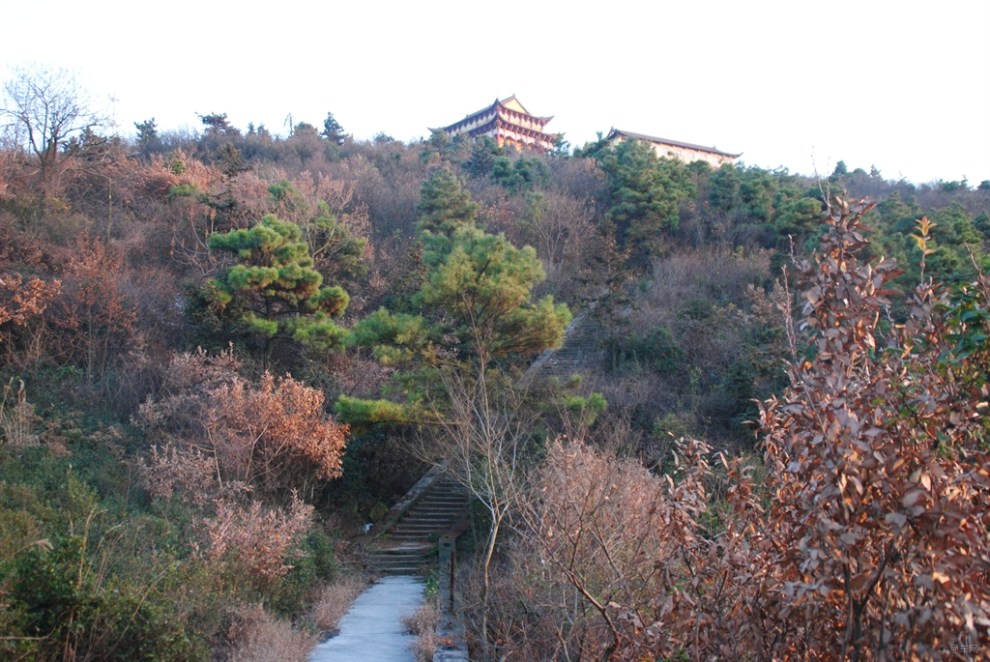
(334, 601)
(423, 623)
(17, 417)
(258, 636)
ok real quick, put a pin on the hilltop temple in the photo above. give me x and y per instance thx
(673, 149)
(508, 123)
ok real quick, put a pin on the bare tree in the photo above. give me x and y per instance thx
(561, 227)
(487, 431)
(45, 109)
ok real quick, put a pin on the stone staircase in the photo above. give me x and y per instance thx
(409, 542)
(582, 349)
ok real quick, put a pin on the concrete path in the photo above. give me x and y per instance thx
(372, 629)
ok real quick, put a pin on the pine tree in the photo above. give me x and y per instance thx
(646, 195)
(274, 291)
(473, 312)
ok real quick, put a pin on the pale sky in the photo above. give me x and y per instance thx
(901, 86)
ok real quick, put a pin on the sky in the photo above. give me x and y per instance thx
(902, 87)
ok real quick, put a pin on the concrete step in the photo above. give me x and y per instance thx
(390, 547)
(411, 543)
(453, 502)
(414, 538)
(412, 527)
(390, 556)
(452, 509)
(402, 570)
(427, 521)
(424, 535)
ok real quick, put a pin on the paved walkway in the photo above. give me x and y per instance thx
(372, 629)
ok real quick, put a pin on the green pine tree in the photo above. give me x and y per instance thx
(273, 292)
(646, 194)
(473, 313)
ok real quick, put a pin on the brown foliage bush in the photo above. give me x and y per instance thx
(188, 471)
(594, 578)
(879, 528)
(91, 317)
(272, 436)
(22, 305)
(254, 538)
(423, 623)
(869, 537)
(22, 301)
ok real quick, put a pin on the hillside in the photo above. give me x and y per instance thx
(223, 352)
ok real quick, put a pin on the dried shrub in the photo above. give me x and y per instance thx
(17, 417)
(91, 316)
(273, 436)
(256, 539)
(21, 301)
(333, 602)
(878, 527)
(597, 577)
(186, 384)
(868, 537)
(21, 305)
(255, 635)
(423, 623)
(168, 470)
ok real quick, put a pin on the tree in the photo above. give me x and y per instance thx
(797, 217)
(484, 151)
(148, 141)
(444, 205)
(519, 175)
(329, 225)
(217, 124)
(332, 130)
(274, 292)
(45, 108)
(877, 537)
(484, 284)
(473, 310)
(561, 147)
(468, 325)
(562, 228)
(646, 195)
(489, 443)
